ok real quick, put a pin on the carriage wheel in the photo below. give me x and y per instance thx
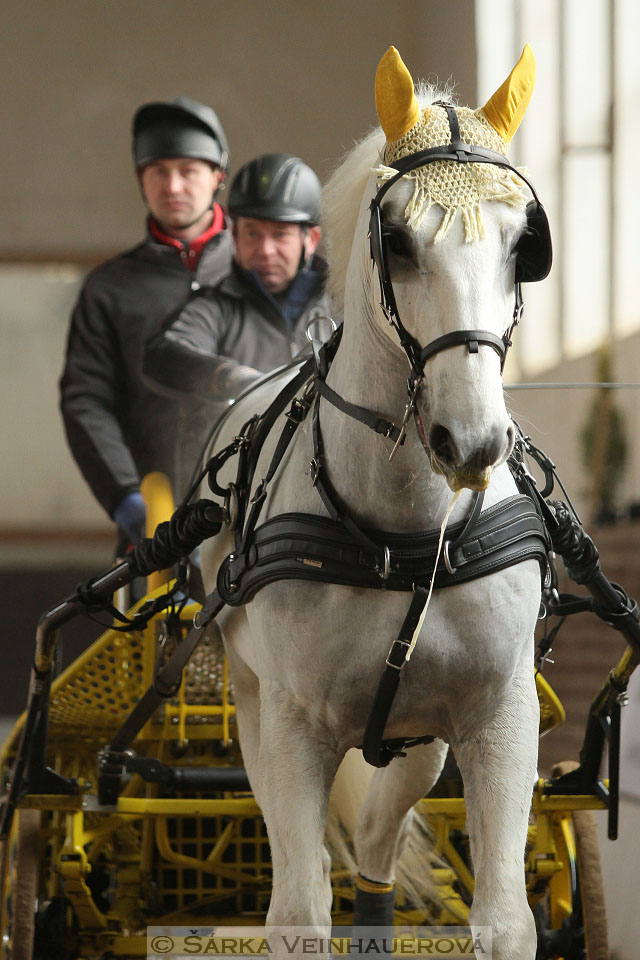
(577, 888)
(19, 875)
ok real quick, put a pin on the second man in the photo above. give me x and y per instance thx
(256, 318)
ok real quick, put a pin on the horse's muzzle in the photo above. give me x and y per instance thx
(466, 465)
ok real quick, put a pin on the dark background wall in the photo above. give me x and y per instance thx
(284, 76)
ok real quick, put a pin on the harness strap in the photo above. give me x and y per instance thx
(336, 510)
(472, 338)
(294, 417)
(375, 751)
(248, 460)
(299, 546)
(164, 685)
(168, 676)
(378, 424)
(215, 463)
(269, 417)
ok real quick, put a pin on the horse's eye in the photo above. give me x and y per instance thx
(397, 242)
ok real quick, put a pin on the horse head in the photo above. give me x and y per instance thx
(447, 225)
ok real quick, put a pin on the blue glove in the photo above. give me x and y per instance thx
(130, 515)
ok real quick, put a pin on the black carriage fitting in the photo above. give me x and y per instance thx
(609, 602)
(186, 779)
(174, 539)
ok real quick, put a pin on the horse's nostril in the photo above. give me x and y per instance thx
(440, 443)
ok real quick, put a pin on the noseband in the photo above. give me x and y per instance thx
(535, 266)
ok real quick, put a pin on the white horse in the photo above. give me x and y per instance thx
(306, 658)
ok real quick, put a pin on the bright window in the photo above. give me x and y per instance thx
(578, 143)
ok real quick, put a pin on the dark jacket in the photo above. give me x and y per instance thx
(209, 351)
(117, 428)
(235, 325)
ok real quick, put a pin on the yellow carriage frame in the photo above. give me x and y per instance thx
(105, 874)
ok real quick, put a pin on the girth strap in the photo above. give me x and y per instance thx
(377, 752)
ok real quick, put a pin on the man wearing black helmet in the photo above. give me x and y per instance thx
(118, 429)
(255, 319)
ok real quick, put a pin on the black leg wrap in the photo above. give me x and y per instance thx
(373, 908)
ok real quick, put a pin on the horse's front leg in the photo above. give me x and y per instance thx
(384, 827)
(498, 766)
(296, 765)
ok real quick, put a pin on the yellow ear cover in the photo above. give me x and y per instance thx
(396, 102)
(508, 105)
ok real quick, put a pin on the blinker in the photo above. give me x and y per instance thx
(533, 254)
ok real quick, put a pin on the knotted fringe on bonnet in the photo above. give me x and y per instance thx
(455, 187)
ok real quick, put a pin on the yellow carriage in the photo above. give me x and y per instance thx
(183, 842)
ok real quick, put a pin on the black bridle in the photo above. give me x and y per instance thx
(533, 261)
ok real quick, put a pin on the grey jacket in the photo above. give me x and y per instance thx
(117, 428)
(206, 348)
(208, 352)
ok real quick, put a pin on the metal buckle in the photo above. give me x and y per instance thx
(396, 649)
(315, 322)
(261, 491)
(297, 411)
(386, 570)
(313, 334)
(447, 562)
(413, 390)
(315, 471)
(231, 507)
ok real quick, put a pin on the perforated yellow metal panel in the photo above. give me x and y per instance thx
(100, 688)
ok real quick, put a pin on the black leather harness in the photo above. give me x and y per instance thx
(331, 549)
(335, 549)
(300, 546)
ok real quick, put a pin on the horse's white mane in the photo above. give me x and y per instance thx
(343, 191)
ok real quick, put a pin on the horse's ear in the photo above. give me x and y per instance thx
(396, 102)
(508, 105)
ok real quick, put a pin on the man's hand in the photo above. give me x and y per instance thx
(131, 514)
(230, 379)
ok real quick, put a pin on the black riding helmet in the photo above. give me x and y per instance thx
(178, 128)
(276, 186)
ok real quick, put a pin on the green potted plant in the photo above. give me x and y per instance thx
(604, 446)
